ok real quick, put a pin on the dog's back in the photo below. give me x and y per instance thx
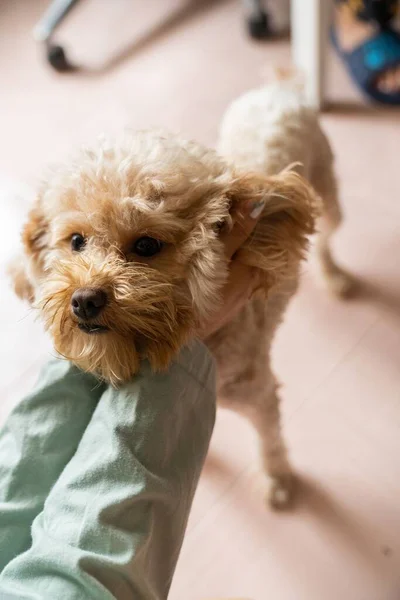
(271, 127)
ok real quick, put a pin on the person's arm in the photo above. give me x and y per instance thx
(38, 439)
(113, 525)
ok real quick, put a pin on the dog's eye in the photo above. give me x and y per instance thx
(147, 246)
(77, 242)
(218, 227)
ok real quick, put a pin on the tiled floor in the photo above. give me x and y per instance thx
(339, 362)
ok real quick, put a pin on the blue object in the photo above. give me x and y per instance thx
(372, 58)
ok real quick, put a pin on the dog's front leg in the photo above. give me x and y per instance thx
(264, 413)
(258, 401)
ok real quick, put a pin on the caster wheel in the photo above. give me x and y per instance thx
(58, 60)
(259, 27)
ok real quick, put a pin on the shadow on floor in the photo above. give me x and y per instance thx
(313, 505)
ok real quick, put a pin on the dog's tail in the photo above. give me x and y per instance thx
(285, 76)
(290, 74)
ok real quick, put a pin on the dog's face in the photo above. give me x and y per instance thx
(123, 255)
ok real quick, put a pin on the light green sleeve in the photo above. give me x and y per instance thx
(39, 438)
(113, 525)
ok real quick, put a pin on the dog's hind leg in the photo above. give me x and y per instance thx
(334, 278)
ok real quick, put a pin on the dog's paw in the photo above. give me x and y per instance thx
(338, 283)
(281, 491)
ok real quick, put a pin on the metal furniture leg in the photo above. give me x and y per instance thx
(44, 30)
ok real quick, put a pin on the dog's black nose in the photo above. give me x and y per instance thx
(87, 303)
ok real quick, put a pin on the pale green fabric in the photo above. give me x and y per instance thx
(39, 438)
(118, 475)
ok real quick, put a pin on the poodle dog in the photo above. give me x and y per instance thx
(123, 259)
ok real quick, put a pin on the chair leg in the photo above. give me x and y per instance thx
(310, 21)
(47, 25)
(257, 19)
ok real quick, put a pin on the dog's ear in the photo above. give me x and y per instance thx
(35, 231)
(17, 271)
(34, 238)
(280, 239)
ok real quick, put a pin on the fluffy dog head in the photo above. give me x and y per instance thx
(122, 254)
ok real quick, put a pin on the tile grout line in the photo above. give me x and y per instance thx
(309, 396)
